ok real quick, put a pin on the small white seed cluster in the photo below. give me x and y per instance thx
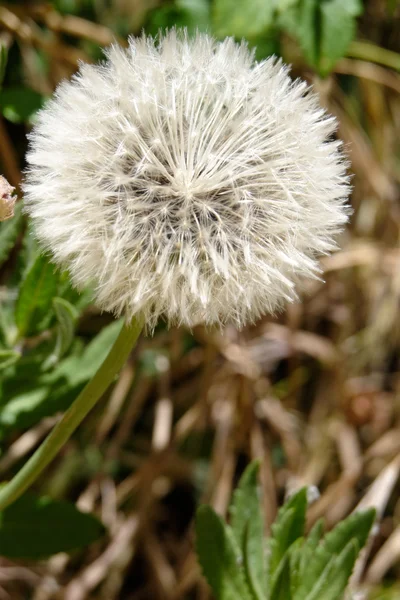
(183, 179)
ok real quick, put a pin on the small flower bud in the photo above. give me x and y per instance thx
(7, 200)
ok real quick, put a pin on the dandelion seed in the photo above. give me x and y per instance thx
(184, 179)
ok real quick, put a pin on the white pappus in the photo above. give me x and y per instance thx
(184, 179)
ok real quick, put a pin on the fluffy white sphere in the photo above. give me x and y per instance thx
(184, 179)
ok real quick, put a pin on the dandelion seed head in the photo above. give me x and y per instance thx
(182, 178)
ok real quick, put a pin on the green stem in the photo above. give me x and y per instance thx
(373, 53)
(86, 400)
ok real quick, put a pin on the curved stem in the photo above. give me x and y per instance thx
(86, 400)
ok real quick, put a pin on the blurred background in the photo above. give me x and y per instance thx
(314, 393)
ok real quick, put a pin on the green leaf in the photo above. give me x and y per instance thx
(241, 18)
(288, 527)
(254, 559)
(34, 303)
(66, 316)
(300, 20)
(248, 528)
(356, 527)
(334, 580)
(324, 29)
(9, 231)
(29, 395)
(281, 589)
(19, 104)
(295, 555)
(97, 350)
(219, 556)
(245, 503)
(307, 550)
(197, 13)
(34, 527)
(338, 29)
(8, 358)
(320, 582)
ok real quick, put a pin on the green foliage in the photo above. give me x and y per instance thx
(233, 557)
(19, 104)
(324, 29)
(241, 18)
(66, 315)
(288, 527)
(8, 358)
(36, 527)
(353, 529)
(9, 231)
(29, 393)
(220, 556)
(35, 297)
(248, 529)
(43, 364)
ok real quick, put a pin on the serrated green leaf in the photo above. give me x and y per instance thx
(219, 556)
(356, 527)
(66, 316)
(281, 589)
(248, 528)
(8, 358)
(310, 545)
(295, 556)
(320, 582)
(245, 503)
(34, 527)
(334, 580)
(9, 231)
(288, 527)
(241, 18)
(254, 560)
(34, 303)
